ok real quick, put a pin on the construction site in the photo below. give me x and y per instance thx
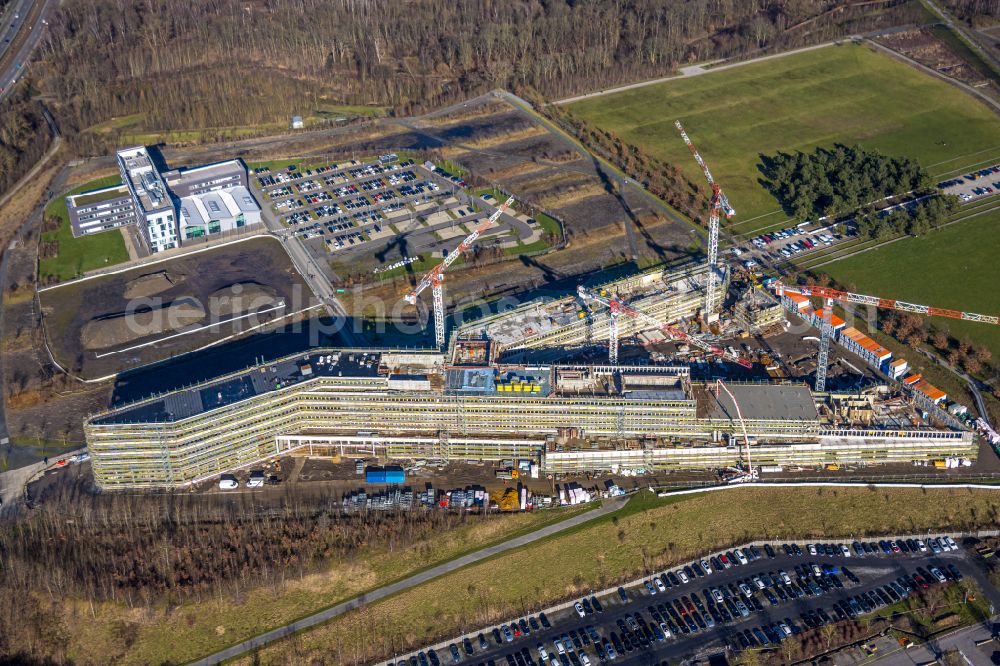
(541, 386)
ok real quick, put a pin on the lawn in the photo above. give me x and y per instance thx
(954, 268)
(839, 94)
(647, 537)
(79, 255)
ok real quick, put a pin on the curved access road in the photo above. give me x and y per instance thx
(609, 506)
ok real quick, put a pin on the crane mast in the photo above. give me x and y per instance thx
(617, 308)
(719, 203)
(434, 276)
(825, 335)
(826, 328)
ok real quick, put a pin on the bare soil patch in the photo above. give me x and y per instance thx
(83, 317)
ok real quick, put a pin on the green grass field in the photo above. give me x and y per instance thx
(954, 268)
(839, 94)
(79, 255)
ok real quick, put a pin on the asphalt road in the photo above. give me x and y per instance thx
(873, 571)
(311, 272)
(694, 70)
(24, 33)
(405, 584)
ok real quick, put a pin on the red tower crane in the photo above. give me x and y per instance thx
(719, 203)
(435, 275)
(829, 295)
(617, 308)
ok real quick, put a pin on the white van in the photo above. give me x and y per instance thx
(256, 479)
(228, 482)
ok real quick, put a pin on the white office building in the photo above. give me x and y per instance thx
(170, 206)
(216, 211)
(154, 209)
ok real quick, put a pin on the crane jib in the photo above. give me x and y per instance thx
(886, 303)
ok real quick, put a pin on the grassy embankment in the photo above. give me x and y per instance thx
(648, 535)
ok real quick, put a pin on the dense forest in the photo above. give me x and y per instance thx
(23, 137)
(167, 65)
(826, 183)
(144, 549)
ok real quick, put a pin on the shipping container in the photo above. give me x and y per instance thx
(390, 474)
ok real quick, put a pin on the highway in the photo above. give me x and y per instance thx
(22, 30)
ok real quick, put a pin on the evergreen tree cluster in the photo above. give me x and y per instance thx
(828, 183)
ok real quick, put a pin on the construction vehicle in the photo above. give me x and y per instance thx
(719, 203)
(826, 329)
(434, 276)
(617, 308)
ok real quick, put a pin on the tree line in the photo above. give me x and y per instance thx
(662, 179)
(917, 331)
(914, 219)
(159, 65)
(24, 137)
(831, 182)
(141, 550)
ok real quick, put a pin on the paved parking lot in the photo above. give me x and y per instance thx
(346, 207)
(756, 604)
(973, 185)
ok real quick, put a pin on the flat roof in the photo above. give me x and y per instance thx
(797, 298)
(866, 343)
(92, 197)
(199, 209)
(223, 168)
(835, 321)
(188, 402)
(144, 179)
(789, 402)
(931, 391)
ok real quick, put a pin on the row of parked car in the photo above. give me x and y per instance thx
(894, 547)
(982, 173)
(503, 634)
(730, 602)
(764, 240)
(979, 191)
(855, 606)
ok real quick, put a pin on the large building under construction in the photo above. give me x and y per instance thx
(553, 326)
(486, 398)
(414, 406)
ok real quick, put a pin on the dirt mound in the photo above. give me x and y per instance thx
(240, 298)
(123, 328)
(152, 283)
